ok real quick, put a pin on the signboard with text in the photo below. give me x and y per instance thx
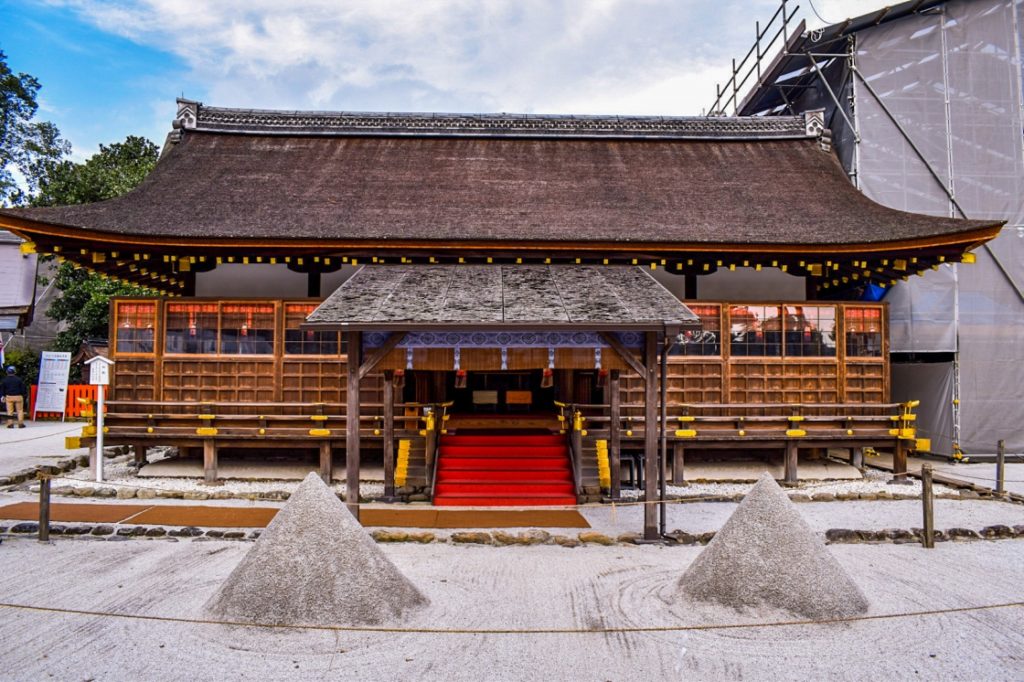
(53, 383)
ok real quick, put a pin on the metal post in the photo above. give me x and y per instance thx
(99, 433)
(44, 509)
(1000, 467)
(928, 502)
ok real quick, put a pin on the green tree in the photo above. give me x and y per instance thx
(28, 149)
(83, 303)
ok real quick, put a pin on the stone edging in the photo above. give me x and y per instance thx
(498, 538)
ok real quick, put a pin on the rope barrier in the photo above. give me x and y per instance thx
(514, 631)
(45, 435)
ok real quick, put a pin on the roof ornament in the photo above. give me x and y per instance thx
(188, 114)
(814, 126)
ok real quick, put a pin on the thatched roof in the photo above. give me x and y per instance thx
(349, 179)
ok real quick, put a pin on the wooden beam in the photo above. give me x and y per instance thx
(624, 353)
(326, 461)
(209, 461)
(614, 400)
(355, 343)
(140, 450)
(899, 460)
(379, 354)
(389, 435)
(792, 451)
(650, 436)
(678, 457)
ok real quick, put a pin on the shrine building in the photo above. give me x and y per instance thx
(500, 309)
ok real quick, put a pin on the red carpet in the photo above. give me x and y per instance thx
(503, 469)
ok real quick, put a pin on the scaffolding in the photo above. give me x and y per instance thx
(924, 102)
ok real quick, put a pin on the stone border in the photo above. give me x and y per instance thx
(62, 466)
(498, 538)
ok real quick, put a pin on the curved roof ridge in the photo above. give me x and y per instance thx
(193, 115)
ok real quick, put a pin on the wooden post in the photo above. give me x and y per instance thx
(678, 457)
(615, 433)
(1000, 467)
(389, 435)
(326, 461)
(140, 453)
(209, 461)
(792, 452)
(355, 345)
(899, 460)
(92, 461)
(44, 509)
(650, 435)
(857, 457)
(928, 502)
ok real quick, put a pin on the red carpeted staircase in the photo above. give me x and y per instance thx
(503, 469)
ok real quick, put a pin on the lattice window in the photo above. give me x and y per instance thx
(307, 341)
(247, 329)
(191, 328)
(135, 326)
(755, 330)
(863, 332)
(810, 331)
(707, 340)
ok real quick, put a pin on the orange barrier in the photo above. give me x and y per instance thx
(74, 407)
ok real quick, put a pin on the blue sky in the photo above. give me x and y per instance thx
(110, 68)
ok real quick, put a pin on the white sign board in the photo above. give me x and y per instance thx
(52, 395)
(99, 373)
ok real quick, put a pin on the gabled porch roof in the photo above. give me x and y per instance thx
(466, 297)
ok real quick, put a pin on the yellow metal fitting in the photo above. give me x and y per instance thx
(686, 433)
(206, 431)
(319, 432)
(795, 433)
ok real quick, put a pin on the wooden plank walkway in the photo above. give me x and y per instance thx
(258, 517)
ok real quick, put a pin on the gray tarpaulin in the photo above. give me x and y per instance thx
(968, 53)
(932, 384)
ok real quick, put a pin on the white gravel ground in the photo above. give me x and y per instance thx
(518, 587)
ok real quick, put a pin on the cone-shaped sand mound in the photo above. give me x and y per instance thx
(767, 555)
(314, 564)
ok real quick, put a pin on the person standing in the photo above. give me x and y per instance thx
(13, 389)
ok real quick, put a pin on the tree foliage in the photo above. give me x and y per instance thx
(117, 168)
(28, 148)
(83, 303)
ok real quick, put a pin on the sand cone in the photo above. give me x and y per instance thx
(767, 555)
(314, 564)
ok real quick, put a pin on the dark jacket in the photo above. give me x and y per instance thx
(12, 385)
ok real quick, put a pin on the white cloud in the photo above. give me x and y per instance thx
(571, 56)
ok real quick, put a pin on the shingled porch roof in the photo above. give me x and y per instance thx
(463, 297)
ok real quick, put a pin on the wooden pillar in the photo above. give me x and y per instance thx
(899, 460)
(678, 455)
(389, 435)
(140, 453)
(791, 461)
(313, 284)
(651, 435)
(355, 345)
(326, 461)
(209, 461)
(614, 400)
(689, 286)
